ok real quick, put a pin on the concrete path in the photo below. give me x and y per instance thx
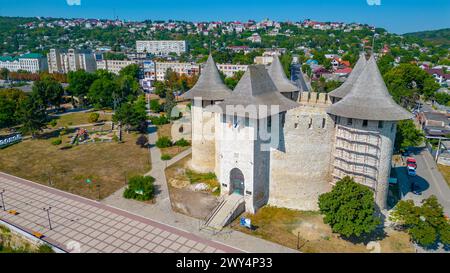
(82, 225)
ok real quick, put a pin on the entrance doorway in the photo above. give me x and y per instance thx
(237, 181)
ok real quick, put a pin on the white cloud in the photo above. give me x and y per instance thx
(74, 2)
(374, 2)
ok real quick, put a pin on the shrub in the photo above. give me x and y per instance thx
(45, 248)
(53, 122)
(140, 188)
(142, 141)
(115, 138)
(182, 143)
(93, 117)
(57, 141)
(166, 157)
(163, 142)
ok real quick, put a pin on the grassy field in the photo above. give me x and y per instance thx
(445, 170)
(106, 164)
(287, 227)
(79, 118)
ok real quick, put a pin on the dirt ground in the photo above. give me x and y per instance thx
(445, 170)
(307, 231)
(184, 199)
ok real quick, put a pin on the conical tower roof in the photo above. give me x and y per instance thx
(209, 85)
(369, 99)
(279, 78)
(256, 89)
(345, 88)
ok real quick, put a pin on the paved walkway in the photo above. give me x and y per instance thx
(94, 227)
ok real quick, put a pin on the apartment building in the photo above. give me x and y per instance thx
(162, 47)
(229, 69)
(31, 62)
(187, 69)
(114, 66)
(64, 61)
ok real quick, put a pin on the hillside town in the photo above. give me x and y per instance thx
(222, 137)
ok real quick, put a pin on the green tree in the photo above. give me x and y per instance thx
(10, 100)
(286, 60)
(79, 83)
(103, 92)
(32, 115)
(131, 115)
(4, 73)
(349, 208)
(426, 224)
(131, 70)
(408, 82)
(48, 92)
(407, 135)
(128, 88)
(231, 82)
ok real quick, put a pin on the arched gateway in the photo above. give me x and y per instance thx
(236, 181)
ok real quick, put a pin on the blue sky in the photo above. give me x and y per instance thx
(397, 16)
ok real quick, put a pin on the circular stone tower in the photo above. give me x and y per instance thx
(366, 118)
(208, 90)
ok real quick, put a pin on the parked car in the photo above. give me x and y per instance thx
(411, 172)
(412, 166)
(415, 189)
(411, 162)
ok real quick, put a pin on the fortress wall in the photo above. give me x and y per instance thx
(300, 169)
(203, 140)
(237, 151)
(387, 147)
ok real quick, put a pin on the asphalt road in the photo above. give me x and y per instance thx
(429, 180)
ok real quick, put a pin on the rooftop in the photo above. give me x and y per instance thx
(345, 88)
(369, 98)
(256, 89)
(276, 73)
(209, 85)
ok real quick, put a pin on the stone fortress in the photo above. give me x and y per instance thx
(315, 139)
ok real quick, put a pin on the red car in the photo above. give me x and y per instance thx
(411, 160)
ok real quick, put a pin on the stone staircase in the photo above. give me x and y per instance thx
(227, 210)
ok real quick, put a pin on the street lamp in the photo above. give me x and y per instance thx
(3, 200)
(48, 215)
(98, 187)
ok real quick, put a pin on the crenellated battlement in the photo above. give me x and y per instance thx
(315, 98)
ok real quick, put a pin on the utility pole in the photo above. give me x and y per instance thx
(3, 200)
(438, 150)
(48, 215)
